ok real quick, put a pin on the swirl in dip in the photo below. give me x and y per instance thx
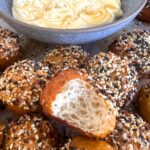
(66, 14)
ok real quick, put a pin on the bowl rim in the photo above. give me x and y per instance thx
(80, 30)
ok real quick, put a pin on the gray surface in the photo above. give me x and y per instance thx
(35, 50)
(130, 7)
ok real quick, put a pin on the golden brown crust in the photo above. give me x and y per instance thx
(113, 78)
(30, 132)
(144, 102)
(131, 132)
(95, 135)
(21, 85)
(9, 48)
(4, 63)
(55, 86)
(64, 57)
(82, 143)
(78, 130)
(136, 47)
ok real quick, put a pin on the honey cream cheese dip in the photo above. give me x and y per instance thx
(67, 14)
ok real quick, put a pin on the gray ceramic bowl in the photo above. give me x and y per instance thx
(72, 36)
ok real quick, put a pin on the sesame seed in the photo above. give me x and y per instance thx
(29, 137)
(64, 57)
(22, 87)
(113, 78)
(9, 46)
(123, 135)
(136, 47)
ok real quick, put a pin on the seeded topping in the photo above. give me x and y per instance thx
(21, 85)
(113, 78)
(9, 46)
(30, 132)
(64, 57)
(131, 132)
(67, 146)
(136, 46)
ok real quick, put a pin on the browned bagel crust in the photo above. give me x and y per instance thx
(30, 132)
(55, 86)
(9, 48)
(21, 85)
(113, 78)
(144, 102)
(135, 46)
(131, 132)
(82, 143)
(65, 57)
(145, 13)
